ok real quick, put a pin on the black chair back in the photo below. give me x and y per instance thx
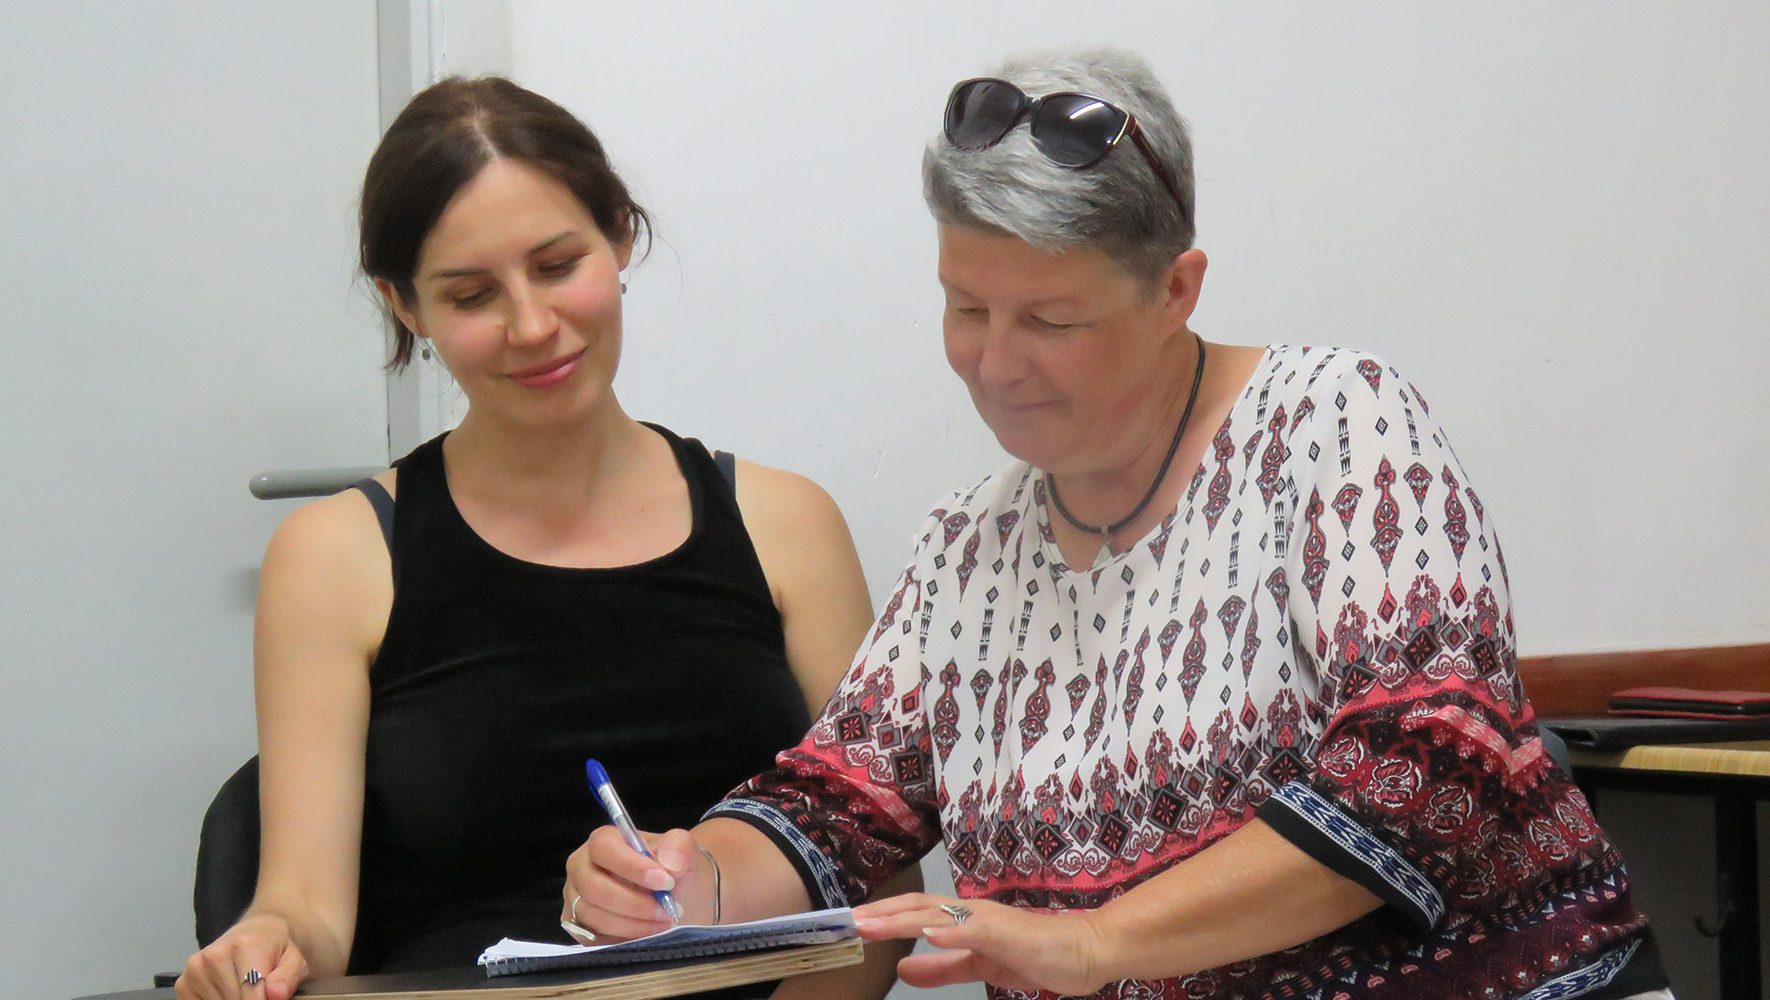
(1556, 746)
(227, 855)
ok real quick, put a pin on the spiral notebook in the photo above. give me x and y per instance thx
(684, 941)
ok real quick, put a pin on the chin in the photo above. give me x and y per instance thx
(563, 411)
(1027, 447)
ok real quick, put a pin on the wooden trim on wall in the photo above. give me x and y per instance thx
(1581, 683)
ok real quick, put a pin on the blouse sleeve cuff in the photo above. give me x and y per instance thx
(1327, 833)
(823, 881)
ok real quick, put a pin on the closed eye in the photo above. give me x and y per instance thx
(472, 300)
(560, 268)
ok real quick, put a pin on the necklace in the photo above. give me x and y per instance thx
(1105, 531)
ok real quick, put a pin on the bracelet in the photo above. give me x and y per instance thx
(715, 863)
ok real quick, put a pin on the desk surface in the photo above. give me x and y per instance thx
(1749, 758)
(630, 982)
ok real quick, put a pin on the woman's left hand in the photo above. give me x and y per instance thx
(1002, 945)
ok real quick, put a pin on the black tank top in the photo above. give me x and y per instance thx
(498, 677)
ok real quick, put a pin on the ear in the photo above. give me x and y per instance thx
(401, 311)
(1180, 288)
(622, 242)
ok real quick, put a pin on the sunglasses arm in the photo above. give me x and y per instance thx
(1161, 172)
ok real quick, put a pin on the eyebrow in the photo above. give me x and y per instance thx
(468, 272)
(1048, 300)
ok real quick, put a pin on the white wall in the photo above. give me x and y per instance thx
(176, 313)
(1554, 218)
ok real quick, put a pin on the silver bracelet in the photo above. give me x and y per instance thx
(715, 863)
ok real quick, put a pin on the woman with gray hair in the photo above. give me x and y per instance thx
(1213, 691)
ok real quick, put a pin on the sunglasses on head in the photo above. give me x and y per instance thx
(1071, 130)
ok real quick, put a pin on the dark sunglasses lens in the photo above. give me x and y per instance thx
(1076, 130)
(981, 112)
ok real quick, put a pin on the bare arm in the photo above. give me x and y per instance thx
(323, 597)
(312, 645)
(1251, 893)
(813, 571)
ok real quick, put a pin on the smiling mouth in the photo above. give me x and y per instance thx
(548, 374)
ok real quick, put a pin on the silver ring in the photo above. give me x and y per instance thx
(576, 899)
(960, 914)
(252, 978)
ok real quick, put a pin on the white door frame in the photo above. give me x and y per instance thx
(420, 42)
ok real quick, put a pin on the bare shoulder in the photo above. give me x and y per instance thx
(328, 562)
(331, 528)
(801, 538)
(775, 500)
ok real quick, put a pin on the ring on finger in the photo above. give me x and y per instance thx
(576, 899)
(252, 978)
(960, 914)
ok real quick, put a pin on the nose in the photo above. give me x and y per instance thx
(531, 320)
(1000, 361)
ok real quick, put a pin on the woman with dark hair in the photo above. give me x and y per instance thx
(440, 649)
(1213, 691)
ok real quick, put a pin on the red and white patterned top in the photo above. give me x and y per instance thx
(1319, 633)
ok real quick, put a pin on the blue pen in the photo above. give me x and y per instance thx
(617, 814)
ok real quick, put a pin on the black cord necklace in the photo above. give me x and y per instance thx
(1105, 531)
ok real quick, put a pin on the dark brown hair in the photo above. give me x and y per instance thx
(442, 140)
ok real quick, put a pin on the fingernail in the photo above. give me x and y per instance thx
(657, 880)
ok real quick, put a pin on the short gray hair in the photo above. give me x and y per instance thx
(1118, 206)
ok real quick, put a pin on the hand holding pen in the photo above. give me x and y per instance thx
(618, 889)
(617, 815)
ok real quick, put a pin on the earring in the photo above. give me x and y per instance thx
(623, 286)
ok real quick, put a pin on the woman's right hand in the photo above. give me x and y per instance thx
(608, 885)
(260, 942)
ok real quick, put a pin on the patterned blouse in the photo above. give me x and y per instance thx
(1320, 635)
